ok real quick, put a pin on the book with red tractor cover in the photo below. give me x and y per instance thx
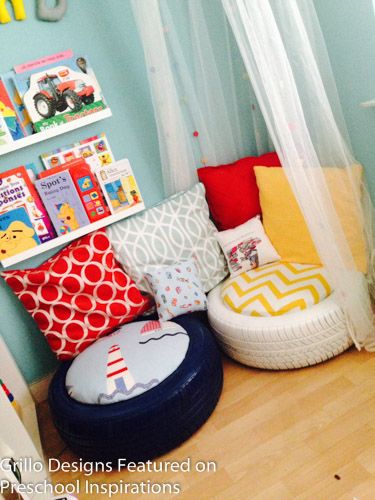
(86, 186)
(58, 89)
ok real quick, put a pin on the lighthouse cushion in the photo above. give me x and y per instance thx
(132, 360)
(78, 295)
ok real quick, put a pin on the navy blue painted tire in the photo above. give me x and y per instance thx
(153, 423)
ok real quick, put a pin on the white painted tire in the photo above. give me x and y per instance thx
(281, 342)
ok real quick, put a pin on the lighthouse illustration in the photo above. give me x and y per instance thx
(150, 327)
(119, 377)
(157, 327)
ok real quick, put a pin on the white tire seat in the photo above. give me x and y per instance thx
(289, 341)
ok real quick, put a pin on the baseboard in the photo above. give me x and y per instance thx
(39, 389)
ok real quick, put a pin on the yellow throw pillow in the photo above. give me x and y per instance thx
(285, 225)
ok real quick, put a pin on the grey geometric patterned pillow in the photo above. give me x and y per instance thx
(177, 229)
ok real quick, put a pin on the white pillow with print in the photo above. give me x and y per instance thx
(247, 246)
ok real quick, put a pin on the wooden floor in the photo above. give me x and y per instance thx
(303, 434)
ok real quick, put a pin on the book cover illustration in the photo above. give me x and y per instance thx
(32, 171)
(62, 202)
(119, 186)
(88, 190)
(5, 137)
(7, 111)
(17, 233)
(95, 150)
(16, 191)
(19, 107)
(58, 89)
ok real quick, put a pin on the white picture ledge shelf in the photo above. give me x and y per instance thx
(55, 131)
(67, 238)
(368, 104)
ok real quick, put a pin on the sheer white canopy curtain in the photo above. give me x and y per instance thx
(284, 53)
(287, 64)
(205, 109)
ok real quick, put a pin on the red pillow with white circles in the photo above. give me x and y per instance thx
(78, 295)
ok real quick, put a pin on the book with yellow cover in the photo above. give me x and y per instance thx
(119, 186)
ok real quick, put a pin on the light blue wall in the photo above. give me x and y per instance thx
(106, 32)
(349, 30)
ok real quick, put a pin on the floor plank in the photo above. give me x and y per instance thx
(302, 434)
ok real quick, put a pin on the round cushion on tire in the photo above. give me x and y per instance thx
(127, 363)
(154, 422)
(283, 342)
(276, 289)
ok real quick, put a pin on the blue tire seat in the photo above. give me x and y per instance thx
(154, 422)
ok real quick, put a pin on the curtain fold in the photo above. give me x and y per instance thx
(174, 144)
(279, 47)
(292, 102)
(198, 89)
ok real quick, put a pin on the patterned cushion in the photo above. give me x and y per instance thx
(247, 246)
(78, 295)
(276, 289)
(175, 230)
(127, 363)
(177, 290)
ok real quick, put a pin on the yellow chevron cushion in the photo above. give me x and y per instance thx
(276, 289)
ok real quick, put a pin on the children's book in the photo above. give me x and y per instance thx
(96, 152)
(62, 202)
(16, 191)
(58, 89)
(5, 136)
(88, 190)
(32, 171)
(17, 233)
(19, 107)
(119, 186)
(8, 112)
(87, 187)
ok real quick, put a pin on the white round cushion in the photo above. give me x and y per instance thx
(276, 289)
(293, 340)
(130, 361)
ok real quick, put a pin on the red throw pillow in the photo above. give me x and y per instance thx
(231, 190)
(78, 295)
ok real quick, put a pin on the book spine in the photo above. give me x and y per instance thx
(37, 211)
(42, 217)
